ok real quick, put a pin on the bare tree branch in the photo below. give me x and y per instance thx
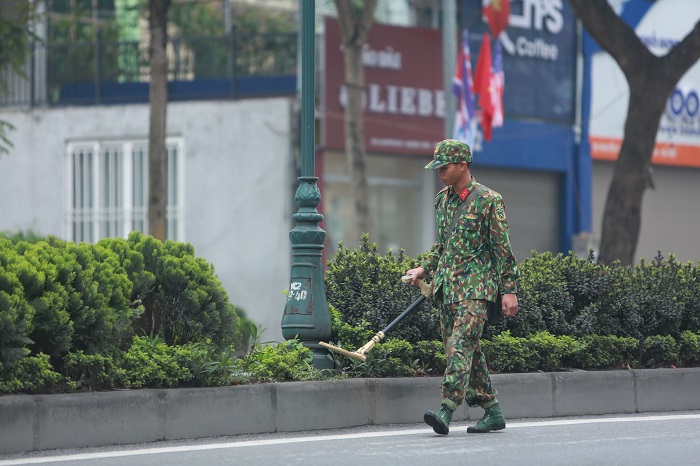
(684, 54)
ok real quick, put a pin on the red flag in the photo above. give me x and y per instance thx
(482, 82)
(496, 13)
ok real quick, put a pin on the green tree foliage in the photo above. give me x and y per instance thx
(366, 288)
(261, 39)
(81, 36)
(15, 36)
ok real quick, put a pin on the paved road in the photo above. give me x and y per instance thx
(665, 438)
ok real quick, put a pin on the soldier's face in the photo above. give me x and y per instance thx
(450, 173)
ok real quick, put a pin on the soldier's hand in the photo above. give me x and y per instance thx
(417, 275)
(509, 304)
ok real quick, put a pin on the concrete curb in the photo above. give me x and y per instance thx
(43, 422)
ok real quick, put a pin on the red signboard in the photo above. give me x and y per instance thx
(404, 105)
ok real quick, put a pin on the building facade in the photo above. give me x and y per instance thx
(77, 167)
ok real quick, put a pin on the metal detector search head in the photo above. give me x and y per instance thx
(361, 353)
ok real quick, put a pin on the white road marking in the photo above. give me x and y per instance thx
(323, 438)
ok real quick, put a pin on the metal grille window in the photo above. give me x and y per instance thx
(108, 189)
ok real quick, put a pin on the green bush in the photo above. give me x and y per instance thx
(659, 351)
(568, 295)
(552, 353)
(182, 299)
(16, 314)
(689, 349)
(348, 336)
(396, 358)
(87, 282)
(93, 371)
(150, 362)
(52, 328)
(607, 352)
(430, 357)
(544, 301)
(29, 375)
(507, 353)
(366, 288)
(289, 360)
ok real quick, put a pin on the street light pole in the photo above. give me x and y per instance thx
(306, 315)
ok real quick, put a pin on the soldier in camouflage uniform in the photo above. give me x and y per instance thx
(468, 271)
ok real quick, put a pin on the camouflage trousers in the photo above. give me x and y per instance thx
(466, 376)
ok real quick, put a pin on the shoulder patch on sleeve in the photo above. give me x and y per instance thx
(500, 213)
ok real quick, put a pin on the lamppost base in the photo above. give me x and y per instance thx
(323, 360)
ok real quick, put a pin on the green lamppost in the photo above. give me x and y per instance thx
(306, 315)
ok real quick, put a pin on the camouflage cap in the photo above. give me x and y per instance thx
(450, 151)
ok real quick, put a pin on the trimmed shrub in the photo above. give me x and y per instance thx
(150, 362)
(659, 351)
(87, 282)
(289, 360)
(689, 349)
(366, 288)
(506, 353)
(607, 352)
(52, 328)
(93, 371)
(16, 314)
(543, 298)
(29, 375)
(552, 353)
(430, 357)
(182, 299)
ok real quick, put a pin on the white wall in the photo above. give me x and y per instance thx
(239, 185)
(670, 212)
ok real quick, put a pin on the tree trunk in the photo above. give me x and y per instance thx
(158, 101)
(355, 23)
(355, 136)
(651, 80)
(622, 217)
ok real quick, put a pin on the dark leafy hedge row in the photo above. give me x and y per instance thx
(559, 294)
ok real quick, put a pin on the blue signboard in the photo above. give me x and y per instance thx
(539, 57)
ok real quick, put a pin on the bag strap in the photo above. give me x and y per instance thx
(475, 192)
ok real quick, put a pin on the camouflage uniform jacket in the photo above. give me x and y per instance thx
(479, 259)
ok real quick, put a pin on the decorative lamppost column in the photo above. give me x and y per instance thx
(306, 315)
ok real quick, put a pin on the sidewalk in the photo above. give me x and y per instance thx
(42, 422)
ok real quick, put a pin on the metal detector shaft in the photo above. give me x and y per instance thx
(400, 317)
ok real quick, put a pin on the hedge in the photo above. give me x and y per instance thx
(84, 307)
(137, 312)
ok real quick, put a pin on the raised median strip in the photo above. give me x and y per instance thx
(43, 422)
